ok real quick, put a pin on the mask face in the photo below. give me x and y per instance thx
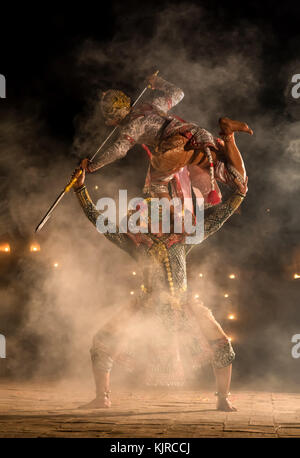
(120, 114)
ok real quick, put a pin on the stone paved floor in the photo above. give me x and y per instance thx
(51, 411)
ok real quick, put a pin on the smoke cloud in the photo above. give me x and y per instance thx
(53, 301)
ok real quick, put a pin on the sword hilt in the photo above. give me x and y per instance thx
(154, 74)
(73, 181)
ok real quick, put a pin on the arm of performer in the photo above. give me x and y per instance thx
(96, 217)
(134, 129)
(219, 214)
(128, 136)
(172, 95)
(227, 174)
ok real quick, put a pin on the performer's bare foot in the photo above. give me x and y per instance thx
(224, 404)
(228, 126)
(102, 402)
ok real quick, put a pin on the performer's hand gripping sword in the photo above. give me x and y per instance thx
(73, 181)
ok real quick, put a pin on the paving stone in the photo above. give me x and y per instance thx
(50, 410)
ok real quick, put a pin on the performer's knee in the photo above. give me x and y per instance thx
(223, 353)
(102, 351)
(101, 360)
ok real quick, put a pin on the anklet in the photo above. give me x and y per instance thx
(226, 138)
(222, 395)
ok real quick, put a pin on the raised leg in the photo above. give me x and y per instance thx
(231, 151)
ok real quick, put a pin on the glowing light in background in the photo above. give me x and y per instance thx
(232, 276)
(55, 264)
(230, 339)
(132, 293)
(5, 248)
(96, 187)
(196, 296)
(296, 276)
(34, 247)
(231, 316)
(133, 273)
(201, 275)
(226, 295)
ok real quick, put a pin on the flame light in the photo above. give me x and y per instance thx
(201, 275)
(5, 248)
(34, 247)
(232, 276)
(55, 264)
(132, 293)
(231, 316)
(196, 296)
(133, 273)
(296, 276)
(226, 295)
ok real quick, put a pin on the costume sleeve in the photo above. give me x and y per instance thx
(91, 212)
(219, 214)
(172, 95)
(226, 173)
(128, 136)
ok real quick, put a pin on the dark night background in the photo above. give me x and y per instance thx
(39, 58)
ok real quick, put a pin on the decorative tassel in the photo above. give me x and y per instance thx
(213, 197)
(147, 150)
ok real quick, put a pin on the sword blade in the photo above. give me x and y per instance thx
(141, 94)
(102, 144)
(48, 214)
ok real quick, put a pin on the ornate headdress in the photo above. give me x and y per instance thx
(113, 102)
